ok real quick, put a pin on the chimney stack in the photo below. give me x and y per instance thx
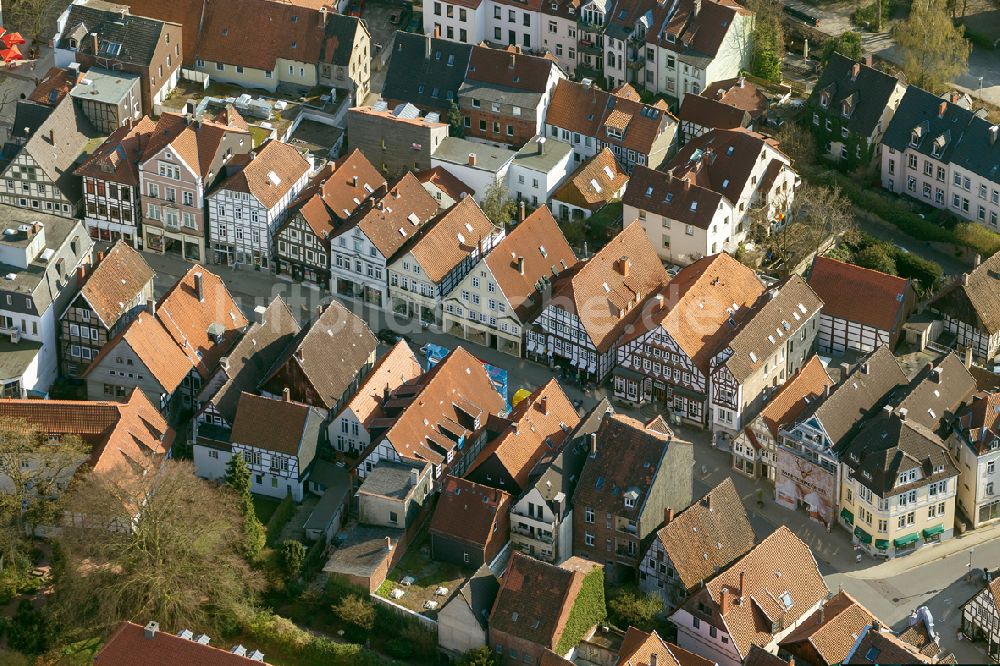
(965, 279)
(150, 630)
(322, 16)
(978, 260)
(388, 543)
(708, 501)
(286, 394)
(520, 265)
(472, 159)
(199, 287)
(81, 275)
(593, 445)
(151, 307)
(414, 476)
(52, 136)
(520, 212)
(942, 107)
(725, 601)
(855, 70)
(258, 314)
(654, 660)
(624, 264)
(544, 402)
(513, 60)
(354, 181)
(993, 132)
(668, 515)
(968, 357)
(95, 42)
(743, 580)
(902, 411)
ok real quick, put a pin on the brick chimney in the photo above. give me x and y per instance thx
(725, 601)
(942, 107)
(472, 159)
(624, 265)
(199, 287)
(520, 212)
(668, 515)
(544, 404)
(520, 265)
(81, 275)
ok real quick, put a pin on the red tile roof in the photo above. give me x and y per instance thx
(594, 184)
(450, 238)
(55, 85)
(805, 386)
(468, 511)
(859, 294)
(509, 68)
(270, 174)
(156, 349)
(397, 367)
(117, 159)
(112, 287)
(446, 182)
(128, 646)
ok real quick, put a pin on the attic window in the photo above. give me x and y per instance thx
(295, 18)
(670, 38)
(649, 191)
(594, 184)
(753, 357)
(872, 654)
(294, 43)
(670, 197)
(572, 11)
(541, 248)
(694, 205)
(555, 6)
(451, 60)
(786, 600)
(915, 137)
(824, 99)
(629, 502)
(729, 151)
(938, 148)
(725, 183)
(110, 48)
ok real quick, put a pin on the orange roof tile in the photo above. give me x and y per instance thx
(352, 181)
(440, 178)
(188, 318)
(112, 287)
(55, 85)
(859, 294)
(117, 159)
(150, 341)
(808, 384)
(397, 367)
(450, 238)
(594, 184)
(832, 630)
(541, 244)
(270, 174)
(538, 426)
(390, 220)
(128, 646)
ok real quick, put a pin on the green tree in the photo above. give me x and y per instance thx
(498, 206)
(357, 612)
(629, 607)
(480, 656)
(28, 631)
(455, 123)
(848, 44)
(169, 548)
(767, 39)
(934, 49)
(877, 257)
(293, 553)
(238, 478)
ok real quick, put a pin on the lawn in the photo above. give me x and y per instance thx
(265, 507)
(428, 575)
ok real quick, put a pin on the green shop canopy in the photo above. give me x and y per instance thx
(863, 536)
(904, 541)
(847, 515)
(882, 544)
(933, 531)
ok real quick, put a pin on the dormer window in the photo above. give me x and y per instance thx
(670, 38)
(629, 502)
(915, 136)
(938, 148)
(845, 109)
(614, 133)
(824, 100)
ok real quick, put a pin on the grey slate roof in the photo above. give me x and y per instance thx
(340, 33)
(28, 117)
(390, 479)
(976, 300)
(137, 35)
(488, 158)
(419, 66)
(552, 152)
(965, 135)
(936, 394)
(479, 592)
(871, 87)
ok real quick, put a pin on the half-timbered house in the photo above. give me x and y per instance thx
(981, 618)
(774, 339)
(111, 297)
(302, 243)
(594, 304)
(970, 310)
(433, 263)
(667, 360)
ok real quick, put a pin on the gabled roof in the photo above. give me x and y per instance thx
(738, 93)
(188, 317)
(479, 593)
(278, 425)
(697, 30)
(974, 298)
(831, 630)
(857, 395)
(270, 175)
(535, 600)
(328, 353)
(947, 133)
(777, 316)
(57, 143)
(516, 77)
(860, 294)
(442, 179)
(391, 218)
(979, 420)
(136, 36)
(54, 86)
(341, 33)
(468, 511)
(112, 287)
(722, 161)
(878, 645)
(128, 646)
(425, 71)
(937, 392)
(117, 159)
(711, 112)
(699, 304)
(199, 144)
(424, 417)
(607, 290)
(450, 238)
(708, 535)
(130, 432)
(675, 198)
(804, 387)
(629, 455)
(538, 426)
(245, 366)
(594, 184)
(639, 648)
(866, 91)
(396, 368)
(541, 244)
(250, 33)
(588, 110)
(778, 582)
(155, 347)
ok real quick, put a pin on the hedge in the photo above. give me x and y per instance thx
(279, 518)
(284, 635)
(588, 610)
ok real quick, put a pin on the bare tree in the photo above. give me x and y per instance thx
(815, 215)
(34, 16)
(166, 545)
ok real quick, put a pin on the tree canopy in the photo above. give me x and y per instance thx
(767, 48)
(848, 44)
(498, 206)
(934, 49)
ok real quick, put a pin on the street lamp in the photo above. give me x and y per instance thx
(980, 90)
(968, 575)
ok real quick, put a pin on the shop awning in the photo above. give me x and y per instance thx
(863, 536)
(933, 531)
(882, 544)
(846, 514)
(905, 541)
